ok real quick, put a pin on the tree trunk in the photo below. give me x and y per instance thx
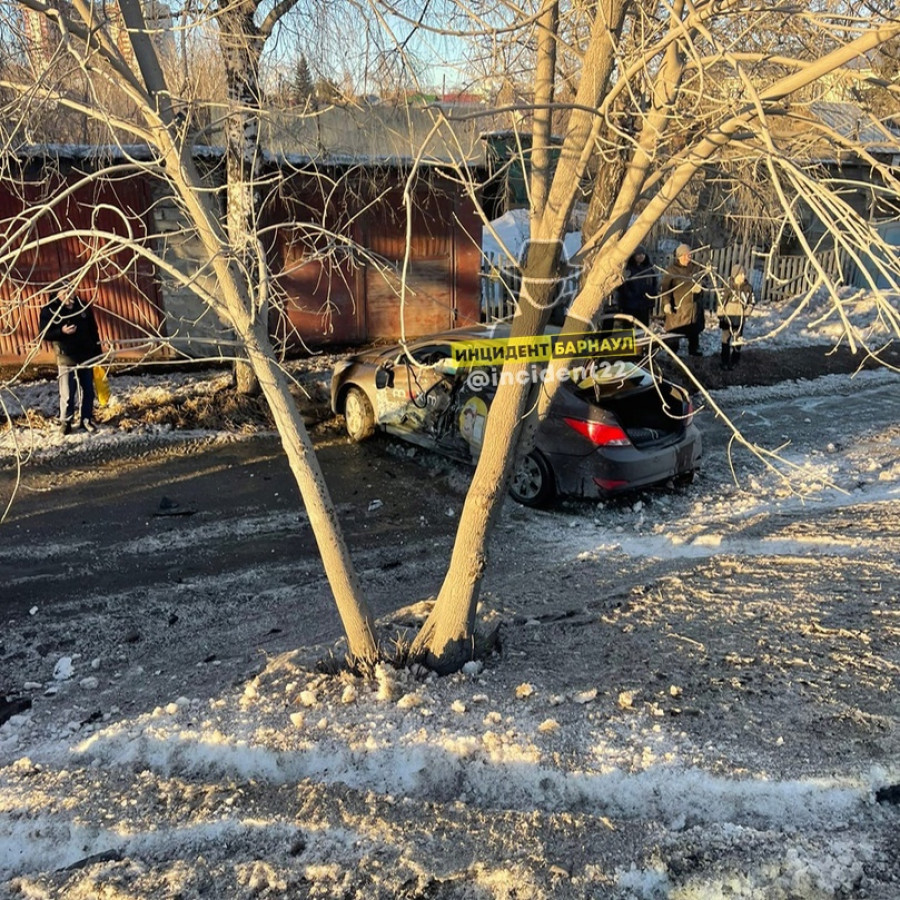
(447, 638)
(359, 626)
(235, 305)
(246, 381)
(548, 25)
(241, 44)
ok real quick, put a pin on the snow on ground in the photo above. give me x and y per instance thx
(730, 740)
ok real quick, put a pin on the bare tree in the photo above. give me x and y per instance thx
(645, 112)
(232, 251)
(659, 65)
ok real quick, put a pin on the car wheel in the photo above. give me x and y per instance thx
(359, 418)
(532, 481)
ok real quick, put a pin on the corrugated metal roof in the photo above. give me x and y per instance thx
(284, 150)
(384, 135)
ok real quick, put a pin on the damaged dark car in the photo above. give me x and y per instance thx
(612, 427)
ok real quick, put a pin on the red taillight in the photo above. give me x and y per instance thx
(599, 433)
(690, 413)
(607, 484)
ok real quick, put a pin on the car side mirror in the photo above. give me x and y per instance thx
(383, 378)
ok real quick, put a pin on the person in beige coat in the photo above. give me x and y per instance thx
(680, 291)
(735, 304)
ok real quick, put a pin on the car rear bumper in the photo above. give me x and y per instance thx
(610, 470)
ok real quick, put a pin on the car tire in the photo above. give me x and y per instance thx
(359, 417)
(532, 481)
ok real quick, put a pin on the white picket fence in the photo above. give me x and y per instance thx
(774, 277)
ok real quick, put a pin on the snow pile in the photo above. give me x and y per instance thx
(206, 791)
(869, 319)
(503, 241)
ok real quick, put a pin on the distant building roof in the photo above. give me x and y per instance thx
(280, 147)
(852, 122)
(376, 134)
(833, 132)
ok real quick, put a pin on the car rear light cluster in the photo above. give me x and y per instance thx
(600, 433)
(610, 484)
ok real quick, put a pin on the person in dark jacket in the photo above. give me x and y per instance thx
(640, 289)
(680, 291)
(70, 325)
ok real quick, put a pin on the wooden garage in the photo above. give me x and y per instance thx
(354, 267)
(349, 266)
(41, 252)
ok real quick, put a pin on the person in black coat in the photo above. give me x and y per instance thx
(640, 289)
(70, 325)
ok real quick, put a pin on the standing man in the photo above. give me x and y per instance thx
(69, 323)
(680, 291)
(639, 290)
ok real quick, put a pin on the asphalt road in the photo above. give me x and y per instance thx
(201, 560)
(207, 511)
(82, 519)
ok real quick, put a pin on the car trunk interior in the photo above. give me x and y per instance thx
(650, 415)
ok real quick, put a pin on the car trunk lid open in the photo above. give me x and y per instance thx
(646, 416)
